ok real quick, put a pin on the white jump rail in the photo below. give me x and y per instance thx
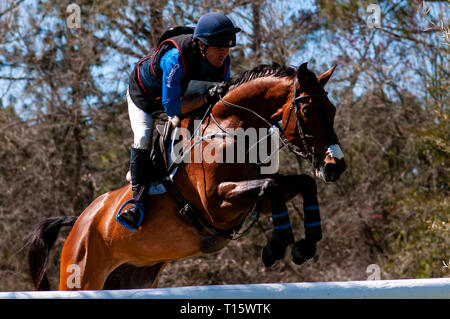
(437, 288)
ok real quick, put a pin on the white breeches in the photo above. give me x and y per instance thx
(142, 125)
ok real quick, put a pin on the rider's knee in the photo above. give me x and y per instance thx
(143, 140)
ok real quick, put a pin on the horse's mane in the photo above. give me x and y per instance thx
(262, 70)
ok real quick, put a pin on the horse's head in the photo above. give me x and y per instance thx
(308, 124)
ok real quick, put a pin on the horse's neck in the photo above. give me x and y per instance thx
(264, 96)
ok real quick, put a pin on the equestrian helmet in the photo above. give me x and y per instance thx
(217, 30)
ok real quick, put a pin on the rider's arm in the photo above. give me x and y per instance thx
(173, 74)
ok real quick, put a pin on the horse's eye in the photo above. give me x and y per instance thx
(306, 111)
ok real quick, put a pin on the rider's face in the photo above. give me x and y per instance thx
(216, 55)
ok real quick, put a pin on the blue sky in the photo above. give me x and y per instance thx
(107, 73)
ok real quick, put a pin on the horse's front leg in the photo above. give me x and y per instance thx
(269, 196)
(291, 185)
(282, 235)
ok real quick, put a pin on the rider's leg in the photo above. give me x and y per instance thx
(140, 164)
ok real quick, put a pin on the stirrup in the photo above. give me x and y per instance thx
(139, 207)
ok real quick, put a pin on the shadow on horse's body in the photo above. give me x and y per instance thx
(100, 254)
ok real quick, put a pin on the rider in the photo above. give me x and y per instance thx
(159, 83)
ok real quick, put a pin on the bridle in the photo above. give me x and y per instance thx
(304, 151)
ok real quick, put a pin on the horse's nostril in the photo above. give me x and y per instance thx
(331, 172)
(329, 168)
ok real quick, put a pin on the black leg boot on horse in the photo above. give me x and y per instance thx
(282, 235)
(305, 249)
(140, 170)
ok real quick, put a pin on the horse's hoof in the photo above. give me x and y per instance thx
(273, 251)
(302, 251)
(267, 257)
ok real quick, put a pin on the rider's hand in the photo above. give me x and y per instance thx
(215, 92)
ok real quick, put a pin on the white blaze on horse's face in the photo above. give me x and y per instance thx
(335, 151)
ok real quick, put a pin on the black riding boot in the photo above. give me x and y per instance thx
(140, 170)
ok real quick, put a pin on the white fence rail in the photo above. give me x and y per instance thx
(438, 288)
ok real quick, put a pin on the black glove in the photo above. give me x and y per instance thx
(215, 92)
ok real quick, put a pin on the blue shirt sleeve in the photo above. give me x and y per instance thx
(173, 73)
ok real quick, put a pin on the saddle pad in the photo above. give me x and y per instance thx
(158, 188)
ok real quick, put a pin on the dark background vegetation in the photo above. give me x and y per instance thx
(65, 133)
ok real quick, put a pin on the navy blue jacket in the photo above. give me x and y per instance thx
(158, 81)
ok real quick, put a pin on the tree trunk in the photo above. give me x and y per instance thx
(156, 21)
(256, 22)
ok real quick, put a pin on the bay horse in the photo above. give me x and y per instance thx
(100, 254)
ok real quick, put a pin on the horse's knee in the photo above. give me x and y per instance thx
(269, 188)
(308, 185)
(143, 139)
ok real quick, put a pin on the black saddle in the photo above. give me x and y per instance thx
(160, 145)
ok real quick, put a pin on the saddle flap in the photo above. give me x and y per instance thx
(161, 145)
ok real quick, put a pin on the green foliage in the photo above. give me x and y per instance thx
(432, 139)
(418, 233)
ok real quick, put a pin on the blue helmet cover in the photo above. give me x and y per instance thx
(216, 29)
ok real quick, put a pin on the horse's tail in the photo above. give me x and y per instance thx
(42, 239)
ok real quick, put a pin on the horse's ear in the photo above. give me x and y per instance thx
(302, 73)
(325, 76)
(303, 67)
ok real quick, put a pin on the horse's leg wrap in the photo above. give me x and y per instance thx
(282, 234)
(305, 249)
